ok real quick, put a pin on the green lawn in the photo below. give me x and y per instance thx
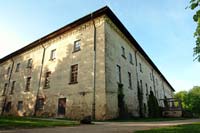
(21, 122)
(189, 128)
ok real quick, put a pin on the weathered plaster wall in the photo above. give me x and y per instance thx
(147, 77)
(114, 41)
(79, 97)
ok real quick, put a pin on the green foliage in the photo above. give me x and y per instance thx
(190, 99)
(183, 96)
(189, 128)
(153, 107)
(194, 100)
(194, 5)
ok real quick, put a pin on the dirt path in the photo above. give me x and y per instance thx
(105, 127)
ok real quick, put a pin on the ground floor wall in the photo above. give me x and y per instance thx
(75, 105)
(72, 106)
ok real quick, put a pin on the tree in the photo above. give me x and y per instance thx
(194, 5)
(183, 96)
(194, 100)
(190, 99)
(153, 107)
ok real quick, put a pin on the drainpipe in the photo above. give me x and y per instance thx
(39, 84)
(5, 100)
(94, 70)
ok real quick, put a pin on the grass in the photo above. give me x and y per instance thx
(23, 122)
(188, 128)
(145, 119)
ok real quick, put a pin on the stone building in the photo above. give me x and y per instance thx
(90, 67)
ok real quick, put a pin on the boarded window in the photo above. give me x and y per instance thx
(53, 54)
(4, 89)
(12, 87)
(77, 45)
(28, 84)
(130, 80)
(17, 67)
(47, 80)
(119, 80)
(74, 73)
(20, 106)
(8, 70)
(29, 63)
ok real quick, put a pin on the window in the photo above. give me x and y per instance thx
(150, 88)
(28, 83)
(4, 89)
(8, 70)
(8, 107)
(156, 81)
(20, 105)
(147, 93)
(74, 74)
(123, 52)
(130, 58)
(17, 67)
(151, 76)
(136, 62)
(140, 65)
(119, 80)
(12, 87)
(130, 80)
(40, 104)
(53, 54)
(30, 62)
(47, 80)
(77, 45)
(141, 87)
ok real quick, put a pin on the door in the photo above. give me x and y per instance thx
(61, 106)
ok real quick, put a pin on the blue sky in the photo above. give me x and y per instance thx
(163, 28)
